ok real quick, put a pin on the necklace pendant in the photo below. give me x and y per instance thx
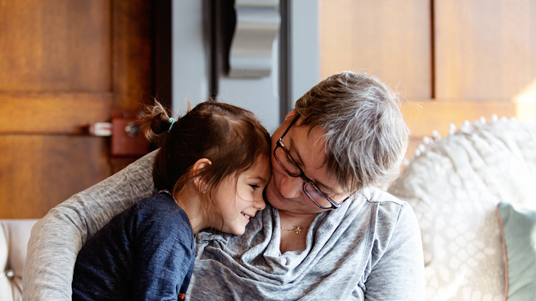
(297, 229)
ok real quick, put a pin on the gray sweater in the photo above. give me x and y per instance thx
(370, 248)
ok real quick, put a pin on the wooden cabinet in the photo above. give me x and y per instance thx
(453, 60)
(64, 64)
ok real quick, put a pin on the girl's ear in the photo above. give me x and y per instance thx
(197, 168)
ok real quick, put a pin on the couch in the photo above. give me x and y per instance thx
(454, 185)
(14, 236)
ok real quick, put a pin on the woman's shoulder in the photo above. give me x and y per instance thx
(379, 196)
(394, 221)
(374, 201)
(387, 208)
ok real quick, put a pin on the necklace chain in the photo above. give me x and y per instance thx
(296, 229)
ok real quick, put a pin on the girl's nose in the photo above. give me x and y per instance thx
(259, 204)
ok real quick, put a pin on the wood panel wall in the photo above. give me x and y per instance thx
(389, 39)
(64, 64)
(453, 60)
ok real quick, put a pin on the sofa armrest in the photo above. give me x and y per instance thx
(14, 236)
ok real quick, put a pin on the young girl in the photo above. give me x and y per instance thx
(211, 169)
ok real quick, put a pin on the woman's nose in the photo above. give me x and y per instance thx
(291, 187)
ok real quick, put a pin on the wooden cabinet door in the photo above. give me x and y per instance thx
(64, 64)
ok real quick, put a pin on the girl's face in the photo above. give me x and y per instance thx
(239, 199)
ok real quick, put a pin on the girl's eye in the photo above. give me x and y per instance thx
(254, 186)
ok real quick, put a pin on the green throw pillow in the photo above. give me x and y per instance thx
(519, 241)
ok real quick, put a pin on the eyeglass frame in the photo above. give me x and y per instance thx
(306, 180)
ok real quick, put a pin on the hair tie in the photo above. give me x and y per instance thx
(171, 121)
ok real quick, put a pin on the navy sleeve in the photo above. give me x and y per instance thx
(164, 251)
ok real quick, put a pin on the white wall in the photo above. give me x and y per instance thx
(190, 55)
(261, 96)
(305, 56)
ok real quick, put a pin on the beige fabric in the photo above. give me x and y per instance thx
(454, 187)
(14, 236)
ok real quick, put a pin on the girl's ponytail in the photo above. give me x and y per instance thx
(155, 122)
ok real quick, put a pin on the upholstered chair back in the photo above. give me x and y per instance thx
(14, 236)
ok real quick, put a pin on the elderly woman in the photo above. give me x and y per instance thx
(327, 233)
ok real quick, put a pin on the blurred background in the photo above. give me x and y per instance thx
(73, 74)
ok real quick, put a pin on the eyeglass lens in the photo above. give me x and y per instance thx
(290, 166)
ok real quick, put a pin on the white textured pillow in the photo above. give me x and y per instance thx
(454, 186)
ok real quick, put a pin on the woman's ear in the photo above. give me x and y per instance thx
(197, 168)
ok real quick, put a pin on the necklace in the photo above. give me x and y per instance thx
(296, 229)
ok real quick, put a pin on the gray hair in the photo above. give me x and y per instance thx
(365, 134)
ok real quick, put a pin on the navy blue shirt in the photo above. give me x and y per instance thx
(145, 253)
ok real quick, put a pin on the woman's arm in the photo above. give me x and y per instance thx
(56, 238)
(399, 273)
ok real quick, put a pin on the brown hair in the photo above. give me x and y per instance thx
(230, 137)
